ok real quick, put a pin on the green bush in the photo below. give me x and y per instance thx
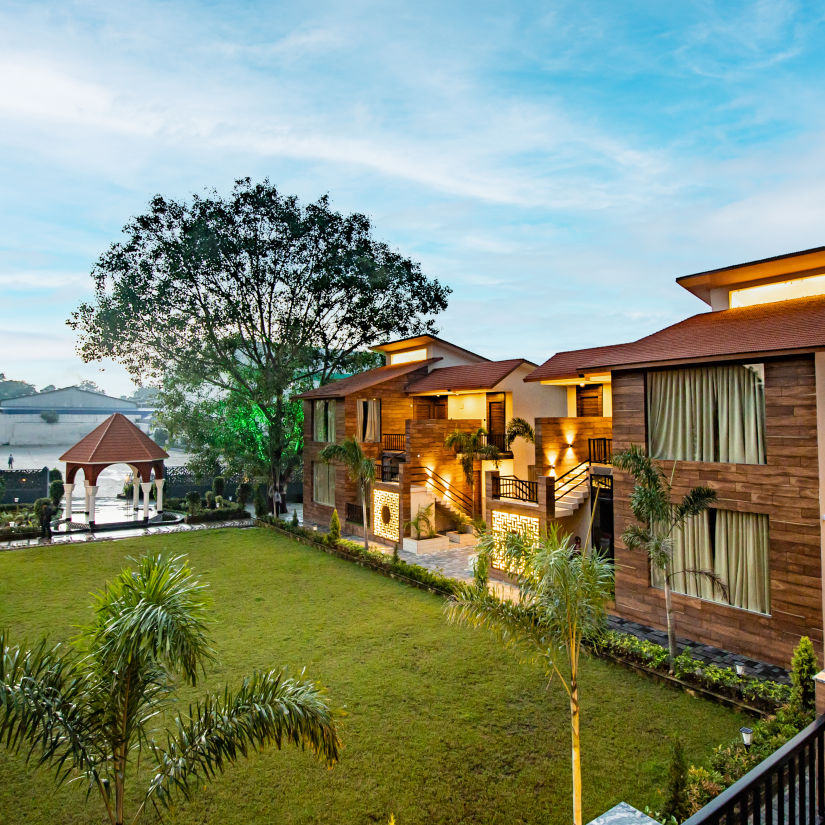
(50, 416)
(261, 506)
(55, 475)
(210, 500)
(218, 485)
(56, 492)
(226, 514)
(676, 800)
(803, 669)
(481, 570)
(243, 493)
(193, 501)
(173, 503)
(294, 522)
(334, 528)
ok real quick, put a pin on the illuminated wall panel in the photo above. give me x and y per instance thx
(503, 523)
(386, 515)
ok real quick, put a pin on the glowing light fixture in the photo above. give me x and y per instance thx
(781, 291)
(747, 737)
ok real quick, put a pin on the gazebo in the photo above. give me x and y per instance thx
(116, 441)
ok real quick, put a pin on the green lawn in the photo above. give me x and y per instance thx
(443, 726)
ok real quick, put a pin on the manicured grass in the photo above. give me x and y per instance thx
(443, 726)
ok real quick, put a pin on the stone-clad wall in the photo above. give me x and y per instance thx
(786, 488)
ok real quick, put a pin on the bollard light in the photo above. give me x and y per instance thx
(747, 737)
(740, 669)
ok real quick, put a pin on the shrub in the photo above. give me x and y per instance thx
(676, 802)
(334, 528)
(261, 506)
(55, 474)
(294, 522)
(38, 506)
(218, 485)
(128, 489)
(220, 502)
(803, 669)
(243, 492)
(50, 416)
(481, 570)
(193, 501)
(160, 436)
(56, 492)
(226, 514)
(210, 500)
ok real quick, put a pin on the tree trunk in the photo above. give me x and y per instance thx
(671, 630)
(576, 753)
(365, 519)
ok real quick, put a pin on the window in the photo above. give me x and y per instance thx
(731, 545)
(368, 420)
(323, 421)
(323, 483)
(714, 413)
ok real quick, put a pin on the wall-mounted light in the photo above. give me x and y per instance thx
(581, 384)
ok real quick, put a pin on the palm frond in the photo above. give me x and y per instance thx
(269, 709)
(519, 428)
(694, 503)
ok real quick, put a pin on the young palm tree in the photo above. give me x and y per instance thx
(472, 450)
(658, 517)
(563, 597)
(519, 428)
(87, 710)
(360, 469)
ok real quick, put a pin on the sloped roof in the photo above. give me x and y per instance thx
(364, 380)
(483, 376)
(763, 328)
(423, 340)
(114, 441)
(68, 397)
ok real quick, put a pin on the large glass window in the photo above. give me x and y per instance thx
(733, 547)
(712, 413)
(323, 483)
(368, 419)
(323, 421)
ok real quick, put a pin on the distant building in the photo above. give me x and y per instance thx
(62, 416)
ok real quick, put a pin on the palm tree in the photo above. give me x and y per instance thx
(563, 597)
(658, 517)
(472, 449)
(360, 469)
(87, 710)
(519, 428)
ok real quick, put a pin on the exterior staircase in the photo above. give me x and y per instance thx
(567, 504)
(572, 489)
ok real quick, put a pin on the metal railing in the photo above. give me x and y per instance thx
(571, 480)
(355, 515)
(394, 442)
(498, 440)
(787, 788)
(387, 472)
(600, 450)
(515, 488)
(430, 478)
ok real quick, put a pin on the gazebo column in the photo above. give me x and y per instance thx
(135, 489)
(92, 488)
(159, 482)
(86, 496)
(146, 486)
(68, 489)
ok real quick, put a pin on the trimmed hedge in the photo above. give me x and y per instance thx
(226, 514)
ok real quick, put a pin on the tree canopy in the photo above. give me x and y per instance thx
(13, 389)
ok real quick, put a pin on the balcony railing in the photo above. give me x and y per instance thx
(787, 787)
(515, 488)
(387, 472)
(498, 440)
(600, 450)
(355, 515)
(394, 442)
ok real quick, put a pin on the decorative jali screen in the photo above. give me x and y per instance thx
(503, 523)
(386, 515)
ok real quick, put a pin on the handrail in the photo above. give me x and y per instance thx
(804, 788)
(578, 475)
(515, 488)
(600, 450)
(430, 476)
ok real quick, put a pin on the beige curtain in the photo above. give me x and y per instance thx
(323, 483)
(330, 421)
(707, 414)
(319, 421)
(742, 558)
(373, 430)
(691, 551)
(359, 420)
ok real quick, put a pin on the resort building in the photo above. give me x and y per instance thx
(735, 399)
(401, 413)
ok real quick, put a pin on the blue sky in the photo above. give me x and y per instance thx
(558, 164)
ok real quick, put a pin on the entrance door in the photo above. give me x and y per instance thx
(496, 420)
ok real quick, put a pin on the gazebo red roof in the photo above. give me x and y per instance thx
(117, 440)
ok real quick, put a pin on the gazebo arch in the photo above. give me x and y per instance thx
(116, 441)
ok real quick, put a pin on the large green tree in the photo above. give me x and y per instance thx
(252, 294)
(89, 711)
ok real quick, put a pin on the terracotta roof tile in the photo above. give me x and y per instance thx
(364, 380)
(114, 441)
(784, 325)
(483, 376)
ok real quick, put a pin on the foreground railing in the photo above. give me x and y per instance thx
(355, 515)
(515, 488)
(498, 440)
(787, 788)
(439, 485)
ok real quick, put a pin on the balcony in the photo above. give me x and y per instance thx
(600, 450)
(498, 440)
(394, 442)
(388, 473)
(515, 488)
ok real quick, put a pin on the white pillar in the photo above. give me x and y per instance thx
(86, 496)
(146, 486)
(159, 482)
(68, 489)
(92, 497)
(135, 489)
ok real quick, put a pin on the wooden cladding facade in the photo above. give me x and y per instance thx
(786, 488)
